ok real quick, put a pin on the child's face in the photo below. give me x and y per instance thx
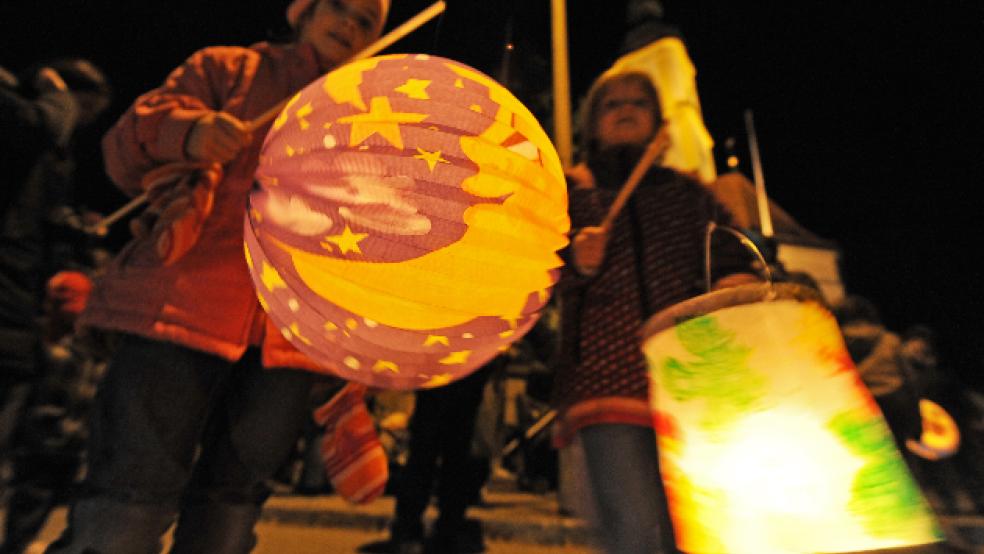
(626, 115)
(338, 29)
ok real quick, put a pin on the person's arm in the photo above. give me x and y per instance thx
(33, 125)
(883, 361)
(586, 253)
(180, 121)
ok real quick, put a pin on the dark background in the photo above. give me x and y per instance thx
(868, 114)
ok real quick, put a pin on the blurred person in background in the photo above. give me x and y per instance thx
(49, 445)
(39, 114)
(876, 352)
(954, 481)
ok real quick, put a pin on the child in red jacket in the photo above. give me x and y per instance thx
(204, 399)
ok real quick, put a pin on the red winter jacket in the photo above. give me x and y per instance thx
(206, 299)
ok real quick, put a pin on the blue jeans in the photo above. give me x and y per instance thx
(626, 489)
(180, 433)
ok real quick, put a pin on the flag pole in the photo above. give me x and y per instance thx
(561, 83)
(762, 199)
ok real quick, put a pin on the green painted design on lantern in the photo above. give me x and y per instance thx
(720, 375)
(883, 494)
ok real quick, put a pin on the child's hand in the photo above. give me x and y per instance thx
(589, 249)
(217, 137)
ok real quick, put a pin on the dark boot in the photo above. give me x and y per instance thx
(106, 526)
(27, 513)
(212, 528)
(456, 537)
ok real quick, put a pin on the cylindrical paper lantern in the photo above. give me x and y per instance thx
(769, 441)
(406, 220)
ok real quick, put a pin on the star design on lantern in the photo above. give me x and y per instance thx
(347, 241)
(415, 88)
(302, 113)
(249, 257)
(285, 114)
(431, 340)
(456, 358)
(438, 380)
(295, 331)
(343, 84)
(432, 158)
(381, 120)
(384, 365)
(271, 279)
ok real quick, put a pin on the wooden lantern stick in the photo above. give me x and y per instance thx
(656, 148)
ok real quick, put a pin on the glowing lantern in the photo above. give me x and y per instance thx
(940, 436)
(406, 220)
(769, 442)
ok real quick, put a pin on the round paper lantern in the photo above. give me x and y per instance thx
(406, 220)
(769, 441)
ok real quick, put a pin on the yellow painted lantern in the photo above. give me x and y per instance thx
(406, 221)
(768, 440)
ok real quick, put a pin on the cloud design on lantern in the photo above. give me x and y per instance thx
(378, 203)
(294, 214)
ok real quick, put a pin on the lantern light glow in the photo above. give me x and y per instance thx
(406, 221)
(769, 442)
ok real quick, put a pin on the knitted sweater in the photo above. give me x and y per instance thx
(654, 259)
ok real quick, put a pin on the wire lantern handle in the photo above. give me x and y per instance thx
(745, 241)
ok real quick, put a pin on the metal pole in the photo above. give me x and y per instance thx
(762, 200)
(563, 136)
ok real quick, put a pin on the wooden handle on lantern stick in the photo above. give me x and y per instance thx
(101, 227)
(656, 148)
(386, 40)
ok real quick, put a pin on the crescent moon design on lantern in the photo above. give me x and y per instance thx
(406, 221)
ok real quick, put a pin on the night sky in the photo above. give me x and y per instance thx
(868, 114)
